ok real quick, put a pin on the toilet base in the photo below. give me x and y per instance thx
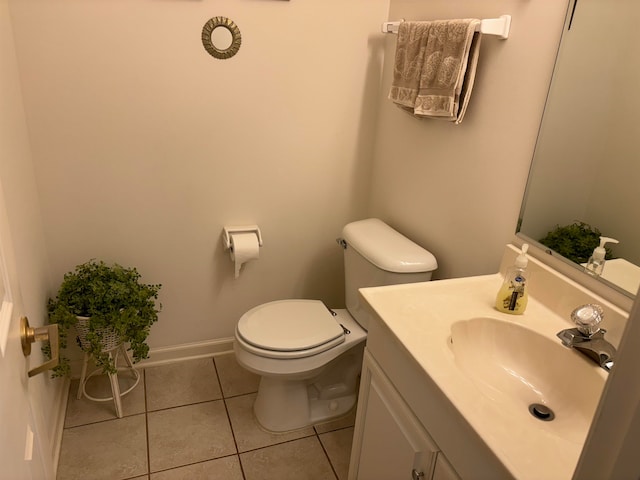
(283, 404)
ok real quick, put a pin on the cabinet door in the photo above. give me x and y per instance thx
(443, 469)
(390, 442)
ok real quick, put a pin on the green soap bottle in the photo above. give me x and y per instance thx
(514, 293)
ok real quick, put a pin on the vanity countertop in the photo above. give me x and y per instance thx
(420, 317)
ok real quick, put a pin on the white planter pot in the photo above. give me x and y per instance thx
(110, 339)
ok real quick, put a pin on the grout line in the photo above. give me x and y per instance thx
(226, 409)
(193, 463)
(186, 405)
(240, 394)
(146, 422)
(326, 454)
(280, 443)
(104, 421)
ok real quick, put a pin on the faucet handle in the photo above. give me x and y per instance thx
(587, 318)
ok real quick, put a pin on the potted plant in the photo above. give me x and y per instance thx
(575, 242)
(107, 305)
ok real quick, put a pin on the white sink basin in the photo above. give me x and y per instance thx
(516, 367)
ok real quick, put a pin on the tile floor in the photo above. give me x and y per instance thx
(193, 420)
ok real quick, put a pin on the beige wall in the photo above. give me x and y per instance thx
(145, 146)
(457, 189)
(17, 185)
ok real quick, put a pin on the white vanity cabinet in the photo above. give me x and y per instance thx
(447, 381)
(443, 470)
(389, 442)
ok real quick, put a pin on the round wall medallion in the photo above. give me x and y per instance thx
(216, 40)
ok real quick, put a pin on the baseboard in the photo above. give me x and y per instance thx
(173, 353)
(187, 351)
(59, 410)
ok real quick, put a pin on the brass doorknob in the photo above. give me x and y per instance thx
(29, 335)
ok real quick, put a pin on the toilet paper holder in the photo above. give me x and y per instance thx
(228, 231)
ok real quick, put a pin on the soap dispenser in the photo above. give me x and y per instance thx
(514, 293)
(595, 265)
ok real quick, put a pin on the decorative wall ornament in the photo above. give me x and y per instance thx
(221, 51)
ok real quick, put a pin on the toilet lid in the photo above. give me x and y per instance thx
(290, 325)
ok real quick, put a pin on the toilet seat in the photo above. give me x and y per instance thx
(289, 329)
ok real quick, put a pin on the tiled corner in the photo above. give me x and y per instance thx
(275, 462)
(181, 383)
(235, 379)
(337, 444)
(227, 468)
(112, 450)
(83, 411)
(248, 433)
(184, 435)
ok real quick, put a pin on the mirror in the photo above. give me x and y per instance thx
(221, 37)
(586, 164)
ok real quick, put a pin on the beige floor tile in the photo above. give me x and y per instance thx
(343, 422)
(227, 468)
(84, 411)
(338, 446)
(235, 380)
(111, 450)
(181, 383)
(302, 459)
(184, 435)
(249, 435)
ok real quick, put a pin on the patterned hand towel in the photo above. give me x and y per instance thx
(435, 67)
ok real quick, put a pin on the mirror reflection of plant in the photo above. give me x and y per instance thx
(575, 242)
(112, 296)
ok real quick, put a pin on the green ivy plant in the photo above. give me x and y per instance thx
(111, 296)
(575, 242)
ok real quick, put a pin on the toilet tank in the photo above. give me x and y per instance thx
(375, 254)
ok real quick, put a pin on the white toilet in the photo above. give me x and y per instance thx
(310, 356)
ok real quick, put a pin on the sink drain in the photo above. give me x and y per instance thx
(541, 412)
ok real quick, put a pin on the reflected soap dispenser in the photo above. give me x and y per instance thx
(595, 265)
(514, 293)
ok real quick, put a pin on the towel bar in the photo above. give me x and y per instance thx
(488, 26)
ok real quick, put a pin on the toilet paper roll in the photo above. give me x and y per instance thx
(244, 247)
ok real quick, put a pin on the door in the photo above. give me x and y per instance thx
(20, 452)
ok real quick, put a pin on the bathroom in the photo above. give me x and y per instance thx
(126, 141)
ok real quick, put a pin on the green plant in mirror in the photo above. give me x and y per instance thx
(575, 242)
(113, 299)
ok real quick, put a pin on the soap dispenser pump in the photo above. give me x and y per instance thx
(595, 265)
(514, 293)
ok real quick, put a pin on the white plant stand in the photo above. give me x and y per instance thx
(113, 347)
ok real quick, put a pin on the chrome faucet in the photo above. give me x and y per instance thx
(588, 337)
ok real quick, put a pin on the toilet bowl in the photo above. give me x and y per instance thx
(306, 379)
(309, 357)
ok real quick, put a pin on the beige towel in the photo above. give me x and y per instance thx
(435, 67)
